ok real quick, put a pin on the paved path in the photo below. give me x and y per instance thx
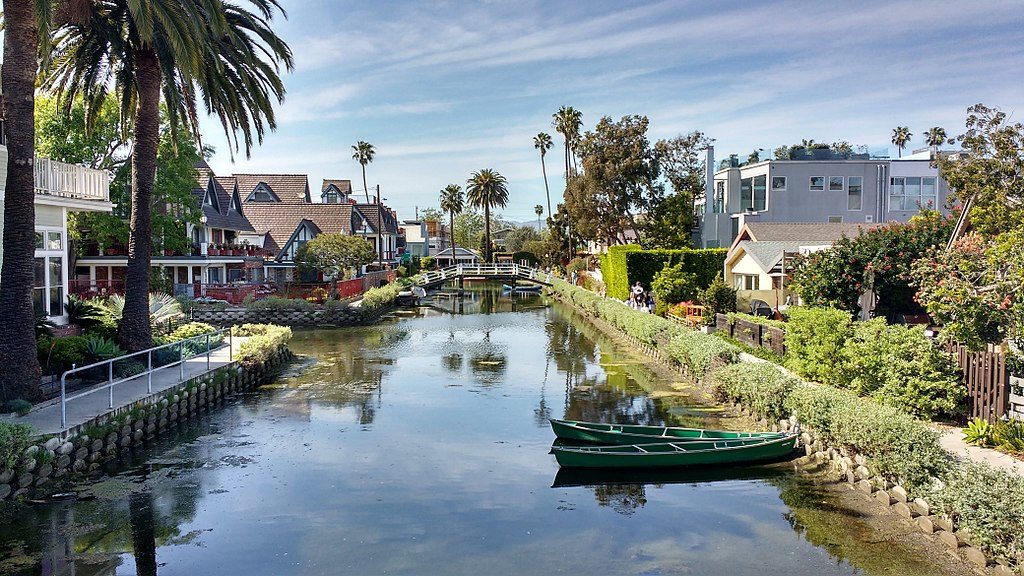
(45, 418)
(952, 439)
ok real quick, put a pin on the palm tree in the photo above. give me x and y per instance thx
(568, 121)
(451, 202)
(20, 377)
(363, 152)
(172, 53)
(934, 137)
(900, 138)
(538, 210)
(485, 189)
(542, 142)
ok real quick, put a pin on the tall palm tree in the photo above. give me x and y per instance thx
(486, 189)
(452, 203)
(900, 138)
(568, 121)
(543, 142)
(935, 136)
(20, 377)
(538, 210)
(170, 53)
(363, 152)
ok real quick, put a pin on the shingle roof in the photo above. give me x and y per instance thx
(203, 172)
(388, 220)
(223, 217)
(343, 186)
(767, 254)
(279, 220)
(805, 232)
(290, 188)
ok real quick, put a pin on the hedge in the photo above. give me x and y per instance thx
(700, 352)
(263, 341)
(989, 504)
(376, 298)
(625, 265)
(814, 342)
(759, 385)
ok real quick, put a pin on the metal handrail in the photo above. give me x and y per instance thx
(180, 362)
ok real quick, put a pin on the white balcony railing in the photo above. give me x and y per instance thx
(71, 181)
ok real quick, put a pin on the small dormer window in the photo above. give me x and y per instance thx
(262, 193)
(210, 200)
(331, 196)
(234, 204)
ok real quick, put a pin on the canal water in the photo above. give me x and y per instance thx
(420, 446)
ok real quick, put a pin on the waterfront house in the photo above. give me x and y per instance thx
(461, 256)
(822, 187)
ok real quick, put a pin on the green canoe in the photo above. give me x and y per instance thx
(670, 454)
(574, 431)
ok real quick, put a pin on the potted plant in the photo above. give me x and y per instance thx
(213, 250)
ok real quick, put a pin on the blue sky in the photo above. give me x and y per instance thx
(445, 88)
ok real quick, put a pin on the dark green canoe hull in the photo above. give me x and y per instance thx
(616, 434)
(665, 455)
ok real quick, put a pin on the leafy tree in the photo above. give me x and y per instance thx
(562, 231)
(879, 258)
(452, 203)
(431, 214)
(620, 178)
(363, 152)
(335, 255)
(545, 248)
(487, 189)
(673, 284)
(64, 136)
(518, 237)
(543, 143)
(175, 53)
(900, 138)
(469, 228)
(670, 222)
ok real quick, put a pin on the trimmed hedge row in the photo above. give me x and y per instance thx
(625, 265)
(761, 386)
(376, 298)
(264, 340)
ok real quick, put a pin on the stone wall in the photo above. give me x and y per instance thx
(297, 318)
(130, 427)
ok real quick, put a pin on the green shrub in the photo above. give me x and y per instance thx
(1009, 435)
(673, 284)
(375, 299)
(705, 264)
(759, 385)
(190, 330)
(989, 504)
(718, 298)
(84, 313)
(700, 352)
(14, 439)
(901, 367)
(901, 448)
(263, 340)
(98, 349)
(814, 341)
(63, 353)
(979, 432)
(278, 303)
(19, 406)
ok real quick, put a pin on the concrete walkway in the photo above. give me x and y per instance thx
(45, 417)
(952, 439)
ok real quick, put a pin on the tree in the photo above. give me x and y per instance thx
(518, 237)
(431, 214)
(620, 178)
(669, 225)
(363, 152)
(935, 136)
(669, 222)
(335, 255)
(754, 157)
(542, 142)
(20, 377)
(900, 138)
(64, 136)
(538, 210)
(469, 228)
(487, 189)
(452, 203)
(174, 53)
(568, 121)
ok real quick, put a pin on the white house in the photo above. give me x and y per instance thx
(462, 256)
(59, 189)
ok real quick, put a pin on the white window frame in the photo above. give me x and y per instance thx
(927, 202)
(784, 182)
(810, 183)
(849, 188)
(745, 281)
(842, 184)
(46, 253)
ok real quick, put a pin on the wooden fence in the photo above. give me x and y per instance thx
(987, 381)
(752, 334)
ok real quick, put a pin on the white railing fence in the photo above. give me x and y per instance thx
(168, 355)
(481, 271)
(53, 178)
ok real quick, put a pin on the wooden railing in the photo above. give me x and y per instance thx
(54, 178)
(987, 381)
(496, 271)
(752, 334)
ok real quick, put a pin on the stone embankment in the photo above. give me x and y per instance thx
(47, 461)
(325, 318)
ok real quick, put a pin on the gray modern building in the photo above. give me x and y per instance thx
(828, 188)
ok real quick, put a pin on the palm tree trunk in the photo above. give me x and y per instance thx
(142, 519)
(547, 191)
(366, 189)
(487, 232)
(135, 332)
(21, 373)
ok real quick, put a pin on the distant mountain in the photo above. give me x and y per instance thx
(531, 224)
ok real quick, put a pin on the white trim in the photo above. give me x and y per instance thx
(842, 184)
(810, 183)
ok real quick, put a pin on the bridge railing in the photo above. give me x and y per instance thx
(480, 270)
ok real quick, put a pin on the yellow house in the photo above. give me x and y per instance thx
(756, 262)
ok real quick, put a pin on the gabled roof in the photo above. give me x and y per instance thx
(343, 186)
(221, 216)
(288, 188)
(388, 221)
(805, 233)
(203, 171)
(279, 221)
(459, 252)
(767, 255)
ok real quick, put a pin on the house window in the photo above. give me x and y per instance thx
(331, 196)
(234, 204)
(778, 183)
(718, 206)
(835, 183)
(912, 192)
(746, 281)
(854, 193)
(752, 193)
(48, 293)
(835, 219)
(817, 183)
(261, 194)
(214, 275)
